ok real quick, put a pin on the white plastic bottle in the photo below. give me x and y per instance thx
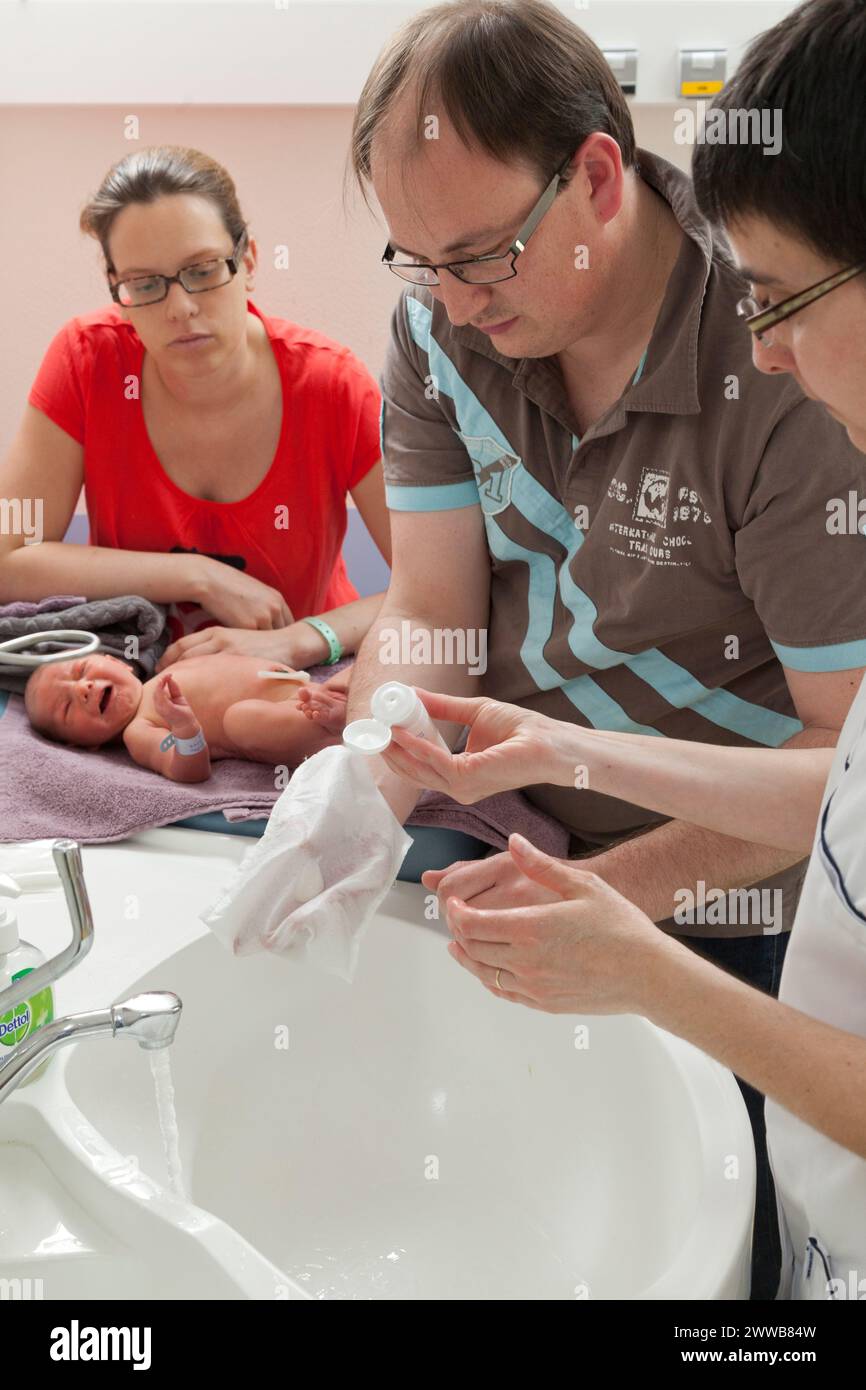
(395, 703)
(18, 958)
(391, 704)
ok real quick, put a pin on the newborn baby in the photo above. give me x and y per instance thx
(204, 707)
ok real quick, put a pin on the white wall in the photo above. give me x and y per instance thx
(308, 52)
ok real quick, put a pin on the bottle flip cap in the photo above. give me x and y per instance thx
(391, 703)
(367, 736)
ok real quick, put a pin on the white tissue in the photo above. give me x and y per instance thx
(308, 882)
(331, 851)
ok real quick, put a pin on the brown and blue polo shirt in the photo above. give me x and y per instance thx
(654, 575)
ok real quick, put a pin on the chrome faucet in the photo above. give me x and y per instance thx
(151, 1019)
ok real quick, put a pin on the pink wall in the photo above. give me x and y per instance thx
(287, 163)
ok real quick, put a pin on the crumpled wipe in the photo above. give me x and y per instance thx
(331, 850)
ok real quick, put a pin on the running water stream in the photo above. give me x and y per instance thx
(160, 1066)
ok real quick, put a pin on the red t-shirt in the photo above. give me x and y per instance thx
(89, 385)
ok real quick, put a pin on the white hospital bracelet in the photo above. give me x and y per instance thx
(185, 746)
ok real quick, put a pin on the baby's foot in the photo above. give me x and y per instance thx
(325, 707)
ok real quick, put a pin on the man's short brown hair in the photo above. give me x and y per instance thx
(515, 78)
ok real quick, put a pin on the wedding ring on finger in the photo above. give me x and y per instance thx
(498, 973)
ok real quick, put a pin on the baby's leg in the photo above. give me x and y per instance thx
(327, 707)
(269, 732)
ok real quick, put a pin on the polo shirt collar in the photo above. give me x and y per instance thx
(669, 382)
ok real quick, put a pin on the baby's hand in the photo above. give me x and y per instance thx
(173, 708)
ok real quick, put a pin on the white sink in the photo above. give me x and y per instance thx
(418, 1138)
(77, 1221)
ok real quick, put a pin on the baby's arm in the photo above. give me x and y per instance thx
(146, 740)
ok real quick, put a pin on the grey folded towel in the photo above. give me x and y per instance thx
(115, 620)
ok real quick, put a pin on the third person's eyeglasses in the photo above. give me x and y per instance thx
(761, 320)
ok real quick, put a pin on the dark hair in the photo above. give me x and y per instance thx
(811, 67)
(515, 77)
(158, 172)
(41, 723)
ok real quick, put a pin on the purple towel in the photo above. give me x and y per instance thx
(493, 819)
(48, 790)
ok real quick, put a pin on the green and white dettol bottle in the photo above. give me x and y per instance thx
(19, 958)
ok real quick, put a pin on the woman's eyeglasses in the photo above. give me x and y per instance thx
(138, 290)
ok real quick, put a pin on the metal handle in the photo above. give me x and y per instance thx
(150, 1019)
(67, 858)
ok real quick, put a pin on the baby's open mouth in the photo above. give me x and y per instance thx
(104, 698)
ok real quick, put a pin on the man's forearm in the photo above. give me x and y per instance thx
(370, 671)
(651, 868)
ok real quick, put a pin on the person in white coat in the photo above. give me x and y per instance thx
(568, 942)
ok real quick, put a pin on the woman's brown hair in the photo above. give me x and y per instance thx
(159, 172)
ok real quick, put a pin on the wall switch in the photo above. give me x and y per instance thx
(701, 71)
(623, 61)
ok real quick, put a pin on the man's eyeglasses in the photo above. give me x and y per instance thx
(195, 279)
(480, 270)
(761, 321)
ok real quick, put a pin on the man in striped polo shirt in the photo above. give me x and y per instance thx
(605, 484)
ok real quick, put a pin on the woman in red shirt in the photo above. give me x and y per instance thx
(215, 445)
